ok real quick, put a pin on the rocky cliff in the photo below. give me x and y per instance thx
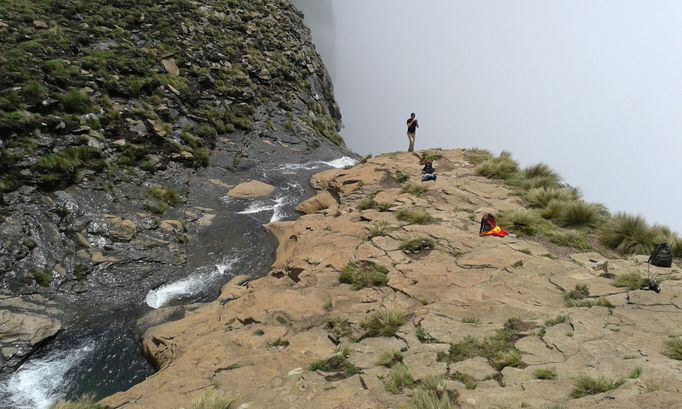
(385, 296)
(122, 124)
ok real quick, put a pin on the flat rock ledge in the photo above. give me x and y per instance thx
(298, 338)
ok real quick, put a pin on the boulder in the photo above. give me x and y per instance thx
(171, 66)
(172, 226)
(322, 201)
(252, 189)
(121, 229)
(22, 327)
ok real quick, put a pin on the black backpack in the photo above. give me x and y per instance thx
(662, 255)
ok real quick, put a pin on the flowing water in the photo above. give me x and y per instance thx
(104, 356)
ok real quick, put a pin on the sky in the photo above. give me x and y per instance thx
(592, 88)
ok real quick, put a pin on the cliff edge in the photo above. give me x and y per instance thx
(385, 296)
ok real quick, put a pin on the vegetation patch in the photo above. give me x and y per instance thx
(627, 234)
(384, 322)
(166, 197)
(477, 156)
(429, 157)
(339, 328)
(673, 348)
(390, 358)
(400, 176)
(592, 385)
(631, 281)
(416, 216)
(545, 374)
(578, 297)
(430, 399)
(398, 377)
(413, 189)
(338, 363)
(501, 167)
(468, 380)
(367, 203)
(380, 228)
(42, 277)
(498, 349)
(211, 400)
(417, 244)
(361, 274)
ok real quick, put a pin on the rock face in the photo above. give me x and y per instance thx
(252, 189)
(462, 299)
(115, 123)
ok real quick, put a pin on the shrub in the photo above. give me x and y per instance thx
(417, 244)
(545, 373)
(211, 400)
(417, 216)
(389, 358)
(580, 213)
(632, 281)
(591, 385)
(86, 402)
(673, 348)
(43, 278)
(384, 322)
(581, 291)
(363, 274)
(398, 377)
(541, 197)
(627, 234)
(75, 102)
(502, 167)
(428, 399)
(414, 189)
(568, 238)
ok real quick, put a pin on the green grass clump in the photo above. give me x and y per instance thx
(592, 385)
(389, 358)
(581, 291)
(367, 203)
(541, 197)
(568, 238)
(417, 244)
(477, 156)
(544, 172)
(400, 176)
(627, 234)
(429, 156)
(545, 374)
(338, 363)
(339, 328)
(86, 402)
(523, 222)
(428, 399)
(43, 278)
(468, 380)
(414, 189)
(361, 274)
(417, 216)
(673, 348)
(636, 373)
(398, 377)
(211, 400)
(166, 198)
(578, 297)
(502, 167)
(498, 349)
(384, 207)
(580, 214)
(384, 322)
(380, 228)
(631, 281)
(556, 321)
(76, 102)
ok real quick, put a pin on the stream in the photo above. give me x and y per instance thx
(103, 356)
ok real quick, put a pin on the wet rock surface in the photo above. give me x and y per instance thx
(262, 340)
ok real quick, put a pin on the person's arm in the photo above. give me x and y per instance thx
(417, 123)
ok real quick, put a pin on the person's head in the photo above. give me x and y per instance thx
(412, 115)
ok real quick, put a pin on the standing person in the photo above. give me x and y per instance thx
(412, 125)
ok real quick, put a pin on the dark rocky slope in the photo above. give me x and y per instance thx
(122, 123)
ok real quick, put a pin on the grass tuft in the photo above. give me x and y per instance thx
(427, 399)
(390, 358)
(384, 322)
(85, 402)
(361, 274)
(211, 400)
(545, 374)
(592, 385)
(417, 216)
(502, 167)
(417, 244)
(477, 156)
(338, 363)
(380, 228)
(541, 197)
(636, 373)
(400, 176)
(398, 377)
(631, 281)
(413, 189)
(627, 234)
(673, 348)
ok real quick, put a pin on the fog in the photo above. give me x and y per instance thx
(594, 89)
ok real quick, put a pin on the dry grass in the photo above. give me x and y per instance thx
(211, 400)
(592, 385)
(384, 322)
